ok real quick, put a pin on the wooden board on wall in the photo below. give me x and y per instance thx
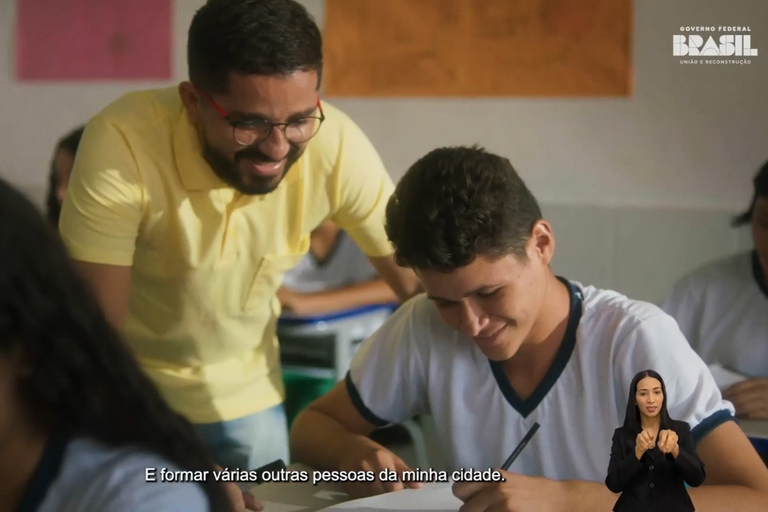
(478, 48)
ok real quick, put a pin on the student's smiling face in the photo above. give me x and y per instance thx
(496, 301)
(760, 229)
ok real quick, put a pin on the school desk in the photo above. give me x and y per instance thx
(321, 347)
(298, 496)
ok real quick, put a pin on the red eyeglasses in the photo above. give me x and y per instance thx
(248, 133)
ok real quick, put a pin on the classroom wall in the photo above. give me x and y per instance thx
(639, 190)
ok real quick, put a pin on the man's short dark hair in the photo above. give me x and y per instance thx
(457, 203)
(251, 37)
(760, 183)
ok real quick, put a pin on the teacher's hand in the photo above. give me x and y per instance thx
(518, 494)
(668, 443)
(749, 398)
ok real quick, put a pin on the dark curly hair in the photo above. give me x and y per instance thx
(80, 379)
(760, 183)
(251, 37)
(456, 203)
(69, 142)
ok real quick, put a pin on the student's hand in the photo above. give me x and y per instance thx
(370, 456)
(518, 494)
(668, 443)
(644, 442)
(749, 398)
(243, 501)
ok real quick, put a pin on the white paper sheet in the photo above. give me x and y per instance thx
(432, 497)
(725, 378)
(271, 506)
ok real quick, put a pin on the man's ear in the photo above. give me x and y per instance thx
(543, 241)
(191, 100)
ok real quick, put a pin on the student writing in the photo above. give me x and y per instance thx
(499, 342)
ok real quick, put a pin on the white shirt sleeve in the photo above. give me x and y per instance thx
(685, 307)
(656, 343)
(157, 497)
(122, 486)
(386, 380)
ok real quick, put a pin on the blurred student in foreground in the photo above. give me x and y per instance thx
(334, 276)
(79, 421)
(499, 342)
(721, 308)
(61, 169)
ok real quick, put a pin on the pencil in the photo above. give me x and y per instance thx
(520, 447)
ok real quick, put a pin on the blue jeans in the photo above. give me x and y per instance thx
(248, 442)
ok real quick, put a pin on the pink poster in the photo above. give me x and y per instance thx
(93, 40)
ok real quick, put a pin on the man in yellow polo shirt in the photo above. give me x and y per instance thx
(187, 205)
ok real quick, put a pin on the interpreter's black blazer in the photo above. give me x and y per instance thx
(656, 482)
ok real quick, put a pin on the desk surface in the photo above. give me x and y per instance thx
(298, 496)
(757, 429)
(289, 319)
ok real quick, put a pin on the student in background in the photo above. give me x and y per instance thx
(80, 423)
(500, 342)
(61, 169)
(335, 275)
(652, 455)
(722, 309)
(188, 204)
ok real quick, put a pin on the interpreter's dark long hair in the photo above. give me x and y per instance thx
(79, 379)
(632, 418)
(70, 143)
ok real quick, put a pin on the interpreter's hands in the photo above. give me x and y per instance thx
(644, 442)
(518, 494)
(749, 398)
(243, 501)
(668, 443)
(371, 456)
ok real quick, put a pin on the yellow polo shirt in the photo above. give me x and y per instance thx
(206, 260)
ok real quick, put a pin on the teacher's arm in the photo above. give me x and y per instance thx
(622, 467)
(101, 215)
(687, 461)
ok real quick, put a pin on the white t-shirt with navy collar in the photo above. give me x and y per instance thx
(415, 364)
(722, 309)
(84, 475)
